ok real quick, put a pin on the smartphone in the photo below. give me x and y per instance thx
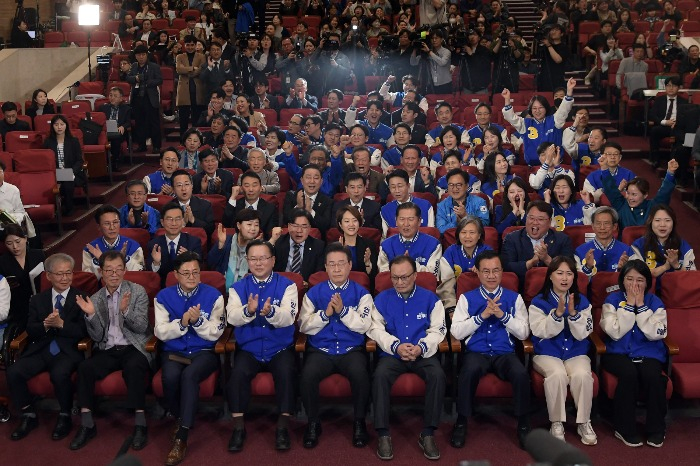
(673, 37)
(173, 38)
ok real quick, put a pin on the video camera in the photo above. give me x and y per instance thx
(388, 43)
(329, 45)
(420, 36)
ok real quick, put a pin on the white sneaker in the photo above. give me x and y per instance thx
(557, 430)
(588, 436)
(587, 82)
(148, 142)
(169, 117)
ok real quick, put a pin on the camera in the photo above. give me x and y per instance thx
(460, 39)
(420, 37)
(388, 43)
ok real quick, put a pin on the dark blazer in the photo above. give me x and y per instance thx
(517, 249)
(123, 114)
(274, 102)
(187, 241)
(153, 80)
(361, 246)
(421, 119)
(269, 217)
(311, 102)
(371, 211)
(72, 156)
(48, 110)
(40, 306)
(418, 134)
(203, 214)
(312, 261)
(658, 109)
(376, 179)
(19, 125)
(20, 283)
(322, 207)
(224, 188)
(324, 116)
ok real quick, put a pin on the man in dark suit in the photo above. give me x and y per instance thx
(119, 111)
(128, 28)
(356, 188)
(263, 99)
(145, 79)
(410, 111)
(117, 321)
(55, 326)
(10, 122)
(251, 187)
(297, 251)
(166, 247)
(212, 179)
(663, 113)
(419, 178)
(310, 198)
(536, 244)
(118, 12)
(198, 212)
(298, 98)
(361, 163)
(215, 70)
(333, 114)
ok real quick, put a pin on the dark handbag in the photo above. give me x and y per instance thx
(91, 130)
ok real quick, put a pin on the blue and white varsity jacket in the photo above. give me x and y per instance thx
(605, 258)
(562, 337)
(423, 248)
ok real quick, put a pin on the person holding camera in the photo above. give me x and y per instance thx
(335, 65)
(145, 79)
(509, 51)
(474, 61)
(554, 60)
(356, 48)
(439, 61)
(287, 66)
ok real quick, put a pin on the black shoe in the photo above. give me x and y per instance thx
(311, 434)
(656, 440)
(64, 425)
(384, 449)
(633, 440)
(430, 449)
(359, 434)
(459, 435)
(523, 430)
(83, 436)
(282, 441)
(28, 424)
(140, 437)
(235, 443)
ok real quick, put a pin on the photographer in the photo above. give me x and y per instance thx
(400, 59)
(335, 65)
(439, 61)
(356, 49)
(508, 52)
(553, 62)
(474, 61)
(308, 65)
(287, 65)
(261, 62)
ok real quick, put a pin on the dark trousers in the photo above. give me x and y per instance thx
(60, 368)
(129, 360)
(505, 367)
(656, 134)
(443, 88)
(68, 194)
(188, 116)
(389, 369)
(181, 383)
(632, 380)
(115, 148)
(319, 365)
(147, 120)
(246, 367)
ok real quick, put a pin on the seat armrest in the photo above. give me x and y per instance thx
(444, 346)
(300, 345)
(220, 346)
(20, 342)
(152, 344)
(528, 347)
(598, 343)
(671, 347)
(371, 346)
(455, 344)
(85, 345)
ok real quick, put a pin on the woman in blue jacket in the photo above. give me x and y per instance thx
(635, 321)
(560, 321)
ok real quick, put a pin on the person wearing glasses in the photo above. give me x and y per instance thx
(611, 162)
(117, 321)
(55, 325)
(408, 324)
(584, 153)
(314, 132)
(165, 248)
(262, 307)
(293, 133)
(136, 213)
(198, 212)
(160, 182)
(486, 320)
(336, 314)
(536, 244)
(108, 220)
(296, 251)
(459, 204)
(189, 319)
(603, 253)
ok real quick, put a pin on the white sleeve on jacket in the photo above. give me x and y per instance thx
(544, 323)
(581, 325)
(211, 329)
(616, 322)
(436, 332)
(166, 329)
(359, 320)
(652, 323)
(463, 324)
(310, 320)
(517, 325)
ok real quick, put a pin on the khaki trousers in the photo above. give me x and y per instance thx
(558, 374)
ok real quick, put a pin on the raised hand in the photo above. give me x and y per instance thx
(267, 307)
(235, 191)
(300, 199)
(391, 78)
(124, 302)
(425, 175)
(205, 184)
(85, 305)
(252, 304)
(672, 166)
(94, 250)
(155, 254)
(189, 216)
(623, 260)
(221, 233)
(125, 247)
(548, 196)
(130, 217)
(195, 312)
(275, 235)
(570, 85)
(506, 96)
(166, 189)
(572, 309)
(589, 260)
(586, 197)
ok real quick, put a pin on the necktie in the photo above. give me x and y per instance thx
(53, 347)
(216, 66)
(250, 207)
(669, 112)
(296, 259)
(172, 250)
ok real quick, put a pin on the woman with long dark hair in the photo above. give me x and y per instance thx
(560, 321)
(40, 104)
(68, 153)
(567, 209)
(496, 174)
(512, 211)
(636, 324)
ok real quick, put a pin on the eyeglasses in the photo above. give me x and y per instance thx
(110, 224)
(400, 279)
(173, 219)
(62, 274)
(301, 227)
(537, 219)
(188, 274)
(117, 271)
(339, 264)
(612, 154)
(455, 185)
(489, 272)
(259, 259)
(183, 185)
(294, 123)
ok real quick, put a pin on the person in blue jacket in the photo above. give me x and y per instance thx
(496, 174)
(635, 321)
(452, 159)
(603, 253)
(511, 213)
(262, 307)
(459, 203)
(227, 255)
(330, 162)
(136, 213)
(560, 320)
(568, 210)
(189, 319)
(336, 314)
